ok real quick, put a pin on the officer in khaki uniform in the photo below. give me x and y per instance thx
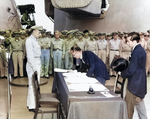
(17, 51)
(91, 45)
(57, 50)
(148, 55)
(45, 44)
(49, 35)
(102, 47)
(69, 42)
(113, 50)
(3, 64)
(80, 42)
(124, 48)
(23, 37)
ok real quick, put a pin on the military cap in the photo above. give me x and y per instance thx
(76, 31)
(141, 33)
(7, 31)
(114, 33)
(86, 31)
(40, 28)
(2, 32)
(48, 33)
(16, 33)
(57, 32)
(146, 34)
(148, 31)
(80, 33)
(108, 35)
(64, 32)
(91, 33)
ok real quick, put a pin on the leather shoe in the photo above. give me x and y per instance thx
(32, 110)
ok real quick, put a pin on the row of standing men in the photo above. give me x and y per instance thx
(55, 49)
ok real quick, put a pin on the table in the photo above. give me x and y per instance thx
(80, 105)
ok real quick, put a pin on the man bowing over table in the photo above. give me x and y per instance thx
(93, 64)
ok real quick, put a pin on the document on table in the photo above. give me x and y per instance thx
(78, 78)
(107, 94)
(85, 87)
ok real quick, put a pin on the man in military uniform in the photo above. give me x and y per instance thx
(45, 44)
(69, 42)
(17, 51)
(3, 64)
(91, 45)
(124, 48)
(102, 47)
(57, 50)
(80, 42)
(113, 50)
(33, 52)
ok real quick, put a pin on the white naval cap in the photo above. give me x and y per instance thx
(37, 27)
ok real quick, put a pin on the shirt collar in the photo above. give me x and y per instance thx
(81, 56)
(135, 46)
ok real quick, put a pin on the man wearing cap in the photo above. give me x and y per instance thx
(69, 42)
(17, 51)
(102, 47)
(113, 50)
(147, 48)
(3, 64)
(91, 45)
(45, 44)
(33, 52)
(124, 48)
(80, 42)
(57, 50)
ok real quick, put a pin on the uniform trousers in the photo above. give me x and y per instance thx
(50, 66)
(148, 62)
(45, 58)
(31, 93)
(125, 55)
(111, 57)
(57, 56)
(102, 54)
(3, 67)
(131, 101)
(68, 60)
(18, 60)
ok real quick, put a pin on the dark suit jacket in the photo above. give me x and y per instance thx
(136, 72)
(95, 65)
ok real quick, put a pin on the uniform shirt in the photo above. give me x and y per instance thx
(91, 46)
(33, 51)
(58, 44)
(148, 45)
(17, 45)
(124, 47)
(69, 44)
(102, 44)
(114, 44)
(80, 43)
(45, 43)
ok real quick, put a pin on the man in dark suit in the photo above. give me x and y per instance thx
(95, 66)
(136, 74)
